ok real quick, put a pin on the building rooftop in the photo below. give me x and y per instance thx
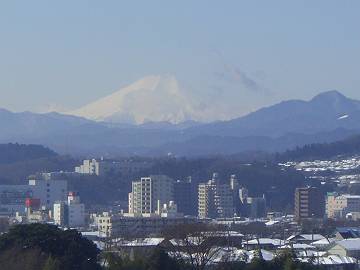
(350, 244)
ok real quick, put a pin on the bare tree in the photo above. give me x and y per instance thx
(194, 244)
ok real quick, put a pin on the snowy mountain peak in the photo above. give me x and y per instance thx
(150, 99)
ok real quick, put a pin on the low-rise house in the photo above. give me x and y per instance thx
(263, 243)
(323, 244)
(332, 262)
(141, 245)
(346, 248)
(305, 238)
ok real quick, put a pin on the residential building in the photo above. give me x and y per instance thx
(347, 247)
(305, 238)
(70, 213)
(76, 211)
(60, 213)
(206, 200)
(309, 203)
(150, 193)
(338, 206)
(185, 196)
(215, 199)
(120, 225)
(88, 167)
(105, 167)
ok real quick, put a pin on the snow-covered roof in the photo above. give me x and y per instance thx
(308, 237)
(297, 246)
(323, 242)
(223, 234)
(96, 233)
(267, 255)
(330, 260)
(265, 241)
(145, 242)
(310, 253)
(272, 222)
(350, 244)
(188, 241)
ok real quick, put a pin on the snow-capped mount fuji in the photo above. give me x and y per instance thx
(150, 99)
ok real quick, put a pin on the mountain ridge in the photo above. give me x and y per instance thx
(327, 117)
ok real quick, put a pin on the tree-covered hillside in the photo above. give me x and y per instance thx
(13, 152)
(347, 147)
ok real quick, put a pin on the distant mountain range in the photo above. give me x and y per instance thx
(325, 112)
(328, 117)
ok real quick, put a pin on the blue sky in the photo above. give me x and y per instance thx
(245, 53)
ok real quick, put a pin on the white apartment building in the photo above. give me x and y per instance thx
(338, 206)
(150, 193)
(129, 225)
(59, 213)
(88, 167)
(206, 200)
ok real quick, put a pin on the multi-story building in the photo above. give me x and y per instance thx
(49, 191)
(88, 167)
(185, 196)
(12, 197)
(60, 213)
(105, 167)
(76, 210)
(121, 225)
(256, 207)
(309, 203)
(70, 213)
(215, 199)
(206, 200)
(338, 206)
(150, 193)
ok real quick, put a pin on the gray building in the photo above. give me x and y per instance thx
(149, 194)
(215, 199)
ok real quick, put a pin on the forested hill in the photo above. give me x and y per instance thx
(13, 152)
(347, 147)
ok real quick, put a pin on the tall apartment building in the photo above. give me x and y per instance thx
(149, 194)
(185, 196)
(338, 206)
(215, 199)
(309, 203)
